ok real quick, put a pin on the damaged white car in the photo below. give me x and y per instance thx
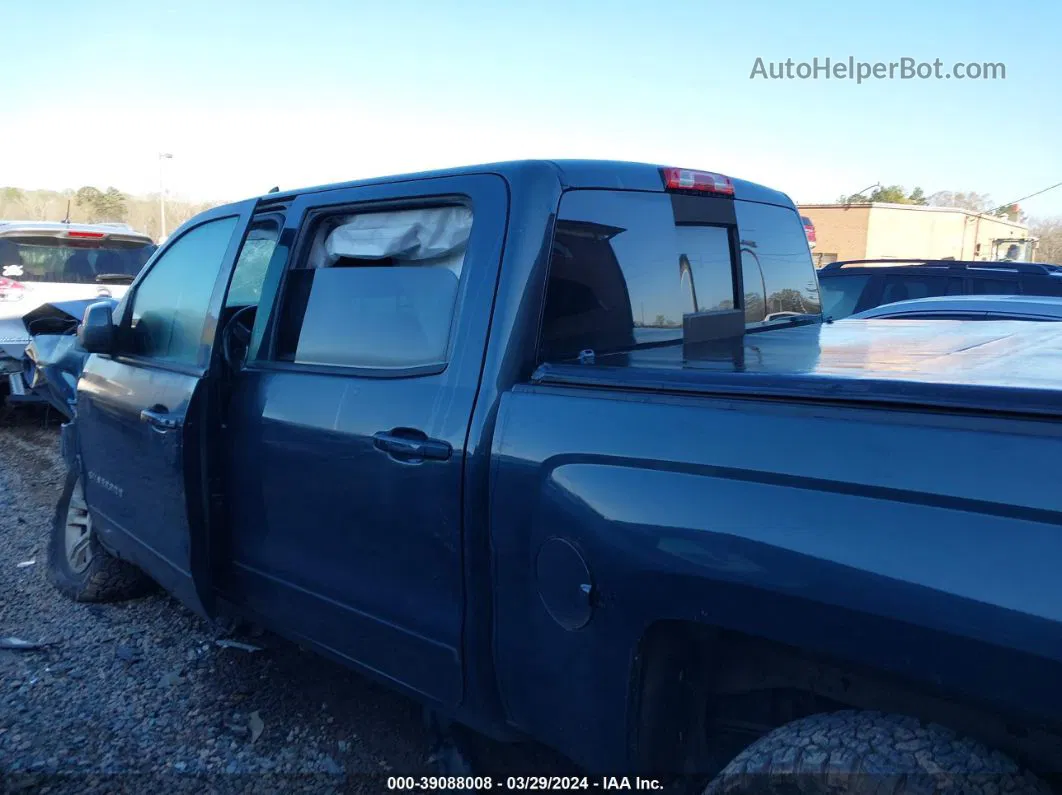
(54, 262)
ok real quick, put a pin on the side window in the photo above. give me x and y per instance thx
(170, 305)
(842, 295)
(250, 271)
(624, 272)
(980, 286)
(774, 237)
(376, 289)
(903, 288)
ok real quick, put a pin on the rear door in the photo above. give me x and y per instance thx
(143, 413)
(347, 429)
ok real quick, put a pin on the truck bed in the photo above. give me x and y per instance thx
(884, 493)
(1004, 366)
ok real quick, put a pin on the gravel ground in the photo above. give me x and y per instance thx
(137, 696)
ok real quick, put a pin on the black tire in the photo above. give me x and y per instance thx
(870, 752)
(105, 578)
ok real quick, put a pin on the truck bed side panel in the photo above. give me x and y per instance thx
(927, 544)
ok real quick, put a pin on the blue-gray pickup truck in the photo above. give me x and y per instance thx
(567, 452)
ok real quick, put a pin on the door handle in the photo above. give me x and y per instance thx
(411, 445)
(159, 417)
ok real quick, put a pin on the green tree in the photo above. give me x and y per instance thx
(109, 205)
(892, 194)
(88, 199)
(112, 205)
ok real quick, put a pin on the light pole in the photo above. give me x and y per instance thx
(848, 199)
(162, 196)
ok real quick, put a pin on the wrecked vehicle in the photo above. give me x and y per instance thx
(53, 359)
(521, 442)
(44, 262)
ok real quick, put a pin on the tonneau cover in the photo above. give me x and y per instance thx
(1004, 366)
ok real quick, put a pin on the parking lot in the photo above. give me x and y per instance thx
(124, 694)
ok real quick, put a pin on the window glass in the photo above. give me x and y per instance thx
(170, 305)
(993, 287)
(377, 290)
(903, 288)
(71, 261)
(251, 266)
(622, 272)
(755, 287)
(841, 294)
(774, 237)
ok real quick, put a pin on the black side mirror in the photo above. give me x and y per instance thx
(97, 333)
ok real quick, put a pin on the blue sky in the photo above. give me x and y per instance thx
(251, 95)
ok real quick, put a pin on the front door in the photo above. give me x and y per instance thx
(142, 411)
(347, 428)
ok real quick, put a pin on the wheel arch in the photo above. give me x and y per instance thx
(741, 687)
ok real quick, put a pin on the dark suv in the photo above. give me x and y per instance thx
(857, 285)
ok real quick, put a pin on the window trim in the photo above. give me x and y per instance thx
(265, 357)
(934, 314)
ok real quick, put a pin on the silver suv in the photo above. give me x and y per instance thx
(47, 262)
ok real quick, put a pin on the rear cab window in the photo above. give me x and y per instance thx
(627, 266)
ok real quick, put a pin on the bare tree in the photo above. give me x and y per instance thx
(1049, 230)
(964, 200)
(36, 206)
(90, 204)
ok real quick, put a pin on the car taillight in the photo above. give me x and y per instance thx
(10, 290)
(810, 230)
(699, 181)
(87, 235)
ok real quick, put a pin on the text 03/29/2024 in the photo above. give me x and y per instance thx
(522, 783)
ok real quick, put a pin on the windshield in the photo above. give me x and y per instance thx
(840, 294)
(49, 259)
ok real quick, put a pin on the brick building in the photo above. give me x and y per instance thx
(882, 231)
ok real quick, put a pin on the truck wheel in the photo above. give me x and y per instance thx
(869, 752)
(78, 566)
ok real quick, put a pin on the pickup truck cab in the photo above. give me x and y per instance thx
(564, 451)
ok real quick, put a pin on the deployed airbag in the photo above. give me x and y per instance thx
(432, 233)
